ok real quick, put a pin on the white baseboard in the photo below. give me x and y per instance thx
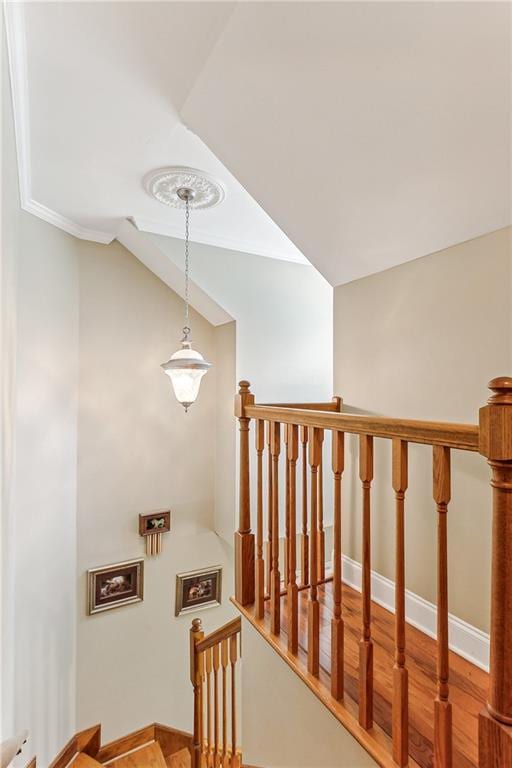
(465, 640)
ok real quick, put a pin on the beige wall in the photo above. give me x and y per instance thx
(284, 724)
(39, 425)
(138, 451)
(421, 341)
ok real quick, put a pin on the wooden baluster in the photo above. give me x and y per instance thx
(270, 496)
(224, 660)
(208, 669)
(366, 644)
(260, 564)
(196, 677)
(244, 539)
(293, 592)
(400, 728)
(305, 537)
(286, 510)
(216, 666)
(495, 722)
(315, 446)
(233, 656)
(275, 576)
(337, 624)
(321, 531)
(442, 707)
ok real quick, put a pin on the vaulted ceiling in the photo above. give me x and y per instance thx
(370, 133)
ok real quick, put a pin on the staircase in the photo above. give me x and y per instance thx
(214, 660)
(155, 746)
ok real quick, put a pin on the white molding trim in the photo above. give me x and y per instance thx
(204, 238)
(465, 640)
(151, 255)
(52, 217)
(16, 49)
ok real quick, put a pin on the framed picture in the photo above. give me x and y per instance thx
(155, 522)
(198, 589)
(111, 586)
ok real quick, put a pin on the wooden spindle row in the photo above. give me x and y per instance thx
(308, 443)
(213, 671)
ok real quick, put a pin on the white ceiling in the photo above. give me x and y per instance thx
(104, 85)
(372, 133)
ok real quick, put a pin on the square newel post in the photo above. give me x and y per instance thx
(196, 678)
(244, 539)
(495, 722)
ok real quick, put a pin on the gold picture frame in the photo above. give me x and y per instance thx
(199, 589)
(115, 585)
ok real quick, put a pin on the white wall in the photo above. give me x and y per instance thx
(284, 724)
(283, 314)
(225, 432)
(421, 341)
(139, 451)
(40, 512)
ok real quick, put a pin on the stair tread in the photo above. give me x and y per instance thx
(148, 756)
(82, 760)
(180, 759)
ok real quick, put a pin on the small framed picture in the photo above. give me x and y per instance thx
(154, 522)
(111, 586)
(198, 589)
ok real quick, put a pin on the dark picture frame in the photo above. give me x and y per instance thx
(155, 522)
(111, 586)
(199, 589)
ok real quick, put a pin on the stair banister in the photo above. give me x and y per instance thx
(495, 724)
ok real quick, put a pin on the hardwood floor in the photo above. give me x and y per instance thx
(468, 684)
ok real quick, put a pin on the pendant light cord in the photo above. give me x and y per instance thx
(186, 329)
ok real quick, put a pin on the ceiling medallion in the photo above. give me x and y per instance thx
(164, 184)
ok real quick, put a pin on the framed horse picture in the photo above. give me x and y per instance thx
(198, 589)
(112, 586)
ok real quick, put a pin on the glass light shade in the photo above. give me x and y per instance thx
(186, 368)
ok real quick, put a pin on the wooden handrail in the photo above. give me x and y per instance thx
(333, 405)
(218, 635)
(465, 437)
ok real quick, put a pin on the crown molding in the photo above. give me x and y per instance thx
(52, 217)
(16, 50)
(206, 238)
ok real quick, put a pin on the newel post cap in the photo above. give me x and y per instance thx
(502, 388)
(495, 439)
(196, 625)
(243, 398)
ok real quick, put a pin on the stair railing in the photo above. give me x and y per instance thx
(297, 431)
(214, 660)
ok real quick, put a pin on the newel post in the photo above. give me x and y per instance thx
(244, 539)
(196, 678)
(495, 722)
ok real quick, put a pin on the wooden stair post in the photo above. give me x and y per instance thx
(196, 677)
(244, 539)
(495, 722)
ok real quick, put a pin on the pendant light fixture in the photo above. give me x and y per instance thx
(186, 366)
